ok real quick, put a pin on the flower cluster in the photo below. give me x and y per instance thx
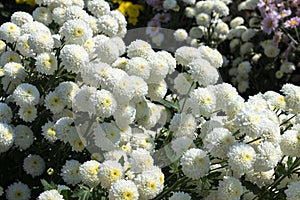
(85, 116)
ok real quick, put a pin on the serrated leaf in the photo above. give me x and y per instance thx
(48, 186)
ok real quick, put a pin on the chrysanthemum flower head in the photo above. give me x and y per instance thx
(7, 136)
(18, 191)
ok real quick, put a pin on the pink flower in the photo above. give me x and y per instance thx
(292, 23)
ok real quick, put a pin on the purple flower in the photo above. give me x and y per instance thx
(284, 13)
(270, 23)
(162, 17)
(277, 38)
(153, 27)
(292, 23)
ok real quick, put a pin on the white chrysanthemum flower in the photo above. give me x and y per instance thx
(70, 172)
(107, 51)
(221, 28)
(271, 51)
(123, 190)
(98, 7)
(183, 125)
(250, 121)
(292, 192)
(275, 100)
(225, 94)
(169, 4)
(23, 137)
(205, 99)
(120, 44)
(9, 32)
(2, 46)
(122, 23)
(14, 70)
(230, 188)
(49, 195)
(159, 68)
(138, 66)
(287, 67)
(221, 8)
(180, 196)
(190, 12)
(88, 172)
(46, 63)
(77, 143)
(211, 55)
(171, 61)
(18, 191)
(195, 163)
(59, 15)
(64, 129)
(7, 136)
(82, 99)
(184, 55)
(75, 12)
(218, 141)
(290, 143)
(148, 185)
(73, 57)
(180, 35)
(109, 172)
(43, 15)
(140, 88)
(203, 19)
(19, 18)
(181, 144)
(104, 103)
(107, 136)
(76, 31)
(28, 113)
(267, 156)
(67, 90)
(244, 67)
(35, 26)
(125, 115)
(40, 42)
(9, 56)
(108, 25)
(79, 3)
(26, 94)
(157, 91)
(237, 21)
(5, 113)
(124, 90)
(143, 141)
(22, 45)
(34, 165)
(202, 72)
(48, 132)
(54, 102)
(183, 83)
(140, 160)
(241, 158)
(292, 97)
(260, 178)
(139, 48)
(89, 46)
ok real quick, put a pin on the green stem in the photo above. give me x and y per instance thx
(287, 120)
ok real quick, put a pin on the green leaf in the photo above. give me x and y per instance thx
(48, 186)
(83, 193)
(168, 104)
